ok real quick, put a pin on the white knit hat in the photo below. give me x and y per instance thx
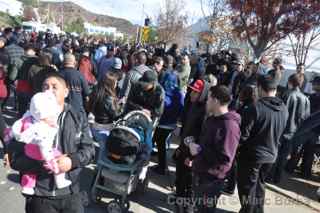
(44, 105)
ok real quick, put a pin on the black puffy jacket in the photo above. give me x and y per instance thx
(74, 141)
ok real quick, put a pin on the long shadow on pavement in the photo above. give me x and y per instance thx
(153, 200)
(305, 188)
(165, 181)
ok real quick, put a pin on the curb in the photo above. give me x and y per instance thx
(296, 197)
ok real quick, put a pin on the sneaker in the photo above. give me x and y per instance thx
(27, 191)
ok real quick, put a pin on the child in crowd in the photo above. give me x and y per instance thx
(38, 129)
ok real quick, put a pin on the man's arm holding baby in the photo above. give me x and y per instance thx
(22, 163)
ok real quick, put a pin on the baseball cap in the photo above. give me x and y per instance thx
(117, 64)
(198, 86)
(149, 77)
(110, 47)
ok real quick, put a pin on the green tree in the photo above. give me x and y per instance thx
(15, 20)
(7, 19)
(75, 26)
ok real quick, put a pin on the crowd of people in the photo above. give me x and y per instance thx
(237, 122)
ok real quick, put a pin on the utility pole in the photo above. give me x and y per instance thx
(141, 29)
(62, 18)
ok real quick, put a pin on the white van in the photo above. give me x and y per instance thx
(32, 26)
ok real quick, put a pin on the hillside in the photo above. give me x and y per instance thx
(53, 11)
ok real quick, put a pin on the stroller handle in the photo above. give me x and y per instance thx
(135, 112)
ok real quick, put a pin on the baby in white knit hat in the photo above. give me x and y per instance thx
(38, 129)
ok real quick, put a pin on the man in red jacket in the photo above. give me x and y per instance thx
(86, 67)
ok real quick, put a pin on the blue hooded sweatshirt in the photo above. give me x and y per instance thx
(174, 99)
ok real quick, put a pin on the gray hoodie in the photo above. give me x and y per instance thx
(132, 76)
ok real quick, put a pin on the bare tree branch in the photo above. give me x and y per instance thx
(302, 42)
(171, 22)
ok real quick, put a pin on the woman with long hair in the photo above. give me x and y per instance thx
(104, 105)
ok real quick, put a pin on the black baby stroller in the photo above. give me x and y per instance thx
(123, 160)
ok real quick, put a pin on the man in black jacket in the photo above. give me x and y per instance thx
(23, 89)
(74, 142)
(79, 88)
(262, 126)
(146, 94)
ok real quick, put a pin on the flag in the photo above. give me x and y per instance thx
(145, 34)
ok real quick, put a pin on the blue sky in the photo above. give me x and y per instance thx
(132, 10)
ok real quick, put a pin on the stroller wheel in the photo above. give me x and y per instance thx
(94, 197)
(114, 207)
(126, 205)
(123, 202)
